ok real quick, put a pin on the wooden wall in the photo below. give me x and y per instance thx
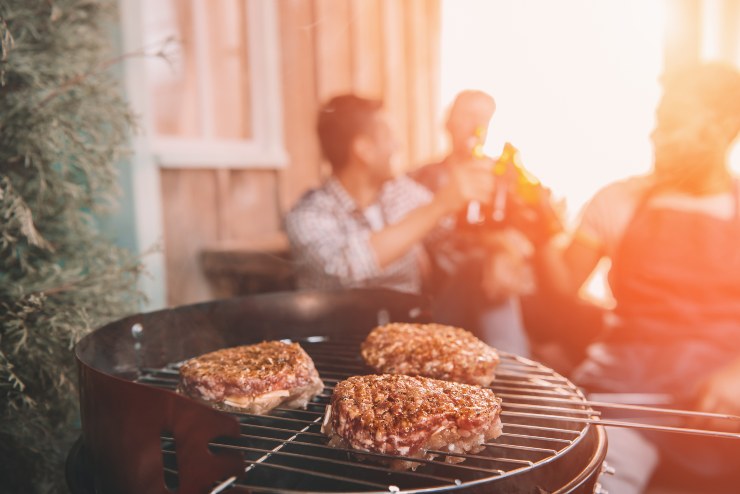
(377, 48)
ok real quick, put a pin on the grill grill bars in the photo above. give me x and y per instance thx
(286, 450)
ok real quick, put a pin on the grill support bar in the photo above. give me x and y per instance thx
(626, 424)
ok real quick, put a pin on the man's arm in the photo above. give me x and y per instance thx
(323, 248)
(566, 263)
(567, 268)
(470, 181)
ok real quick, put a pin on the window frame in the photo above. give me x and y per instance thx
(151, 154)
(265, 149)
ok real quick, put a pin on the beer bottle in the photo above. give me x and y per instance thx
(529, 202)
(519, 199)
(474, 214)
(495, 214)
(503, 171)
(527, 185)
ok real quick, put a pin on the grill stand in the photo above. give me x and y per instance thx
(125, 437)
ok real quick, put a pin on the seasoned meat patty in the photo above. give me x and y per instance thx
(431, 350)
(252, 378)
(408, 416)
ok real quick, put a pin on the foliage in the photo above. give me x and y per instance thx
(63, 126)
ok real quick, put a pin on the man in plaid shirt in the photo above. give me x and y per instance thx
(364, 226)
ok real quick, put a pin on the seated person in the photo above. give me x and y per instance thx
(365, 227)
(673, 237)
(497, 262)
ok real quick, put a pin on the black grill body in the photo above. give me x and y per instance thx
(141, 436)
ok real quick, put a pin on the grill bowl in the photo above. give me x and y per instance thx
(140, 436)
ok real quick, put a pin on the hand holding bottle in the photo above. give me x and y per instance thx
(542, 218)
(507, 270)
(529, 205)
(469, 181)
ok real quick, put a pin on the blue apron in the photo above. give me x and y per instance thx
(676, 280)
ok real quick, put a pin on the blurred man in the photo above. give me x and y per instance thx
(477, 277)
(467, 126)
(364, 226)
(673, 237)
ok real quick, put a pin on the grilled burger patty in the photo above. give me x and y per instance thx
(408, 416)
(431, 350)
(252, 378)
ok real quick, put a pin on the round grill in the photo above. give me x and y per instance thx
(547, 445)
(286, 449)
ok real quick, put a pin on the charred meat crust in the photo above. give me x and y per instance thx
(431, 350)
(253, 378)
(407, 416)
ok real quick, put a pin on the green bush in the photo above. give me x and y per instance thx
(63, 127)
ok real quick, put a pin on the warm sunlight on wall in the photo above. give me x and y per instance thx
(576, 83)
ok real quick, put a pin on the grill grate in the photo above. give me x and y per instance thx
(285, 450)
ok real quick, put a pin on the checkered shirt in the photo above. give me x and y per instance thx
(330, 238)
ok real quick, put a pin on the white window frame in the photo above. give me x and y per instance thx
(264, 150)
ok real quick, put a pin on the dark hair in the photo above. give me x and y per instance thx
(340, 121)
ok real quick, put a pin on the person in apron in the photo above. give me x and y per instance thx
(673, 237)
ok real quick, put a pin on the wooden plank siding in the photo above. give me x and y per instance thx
(189, 217)
(386, 49)
(422, 46)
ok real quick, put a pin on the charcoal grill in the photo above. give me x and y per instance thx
(140, 436)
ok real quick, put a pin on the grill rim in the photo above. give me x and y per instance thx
(80, 480)
(117, 360)
(492, 478)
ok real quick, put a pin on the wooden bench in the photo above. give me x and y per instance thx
(249, 266)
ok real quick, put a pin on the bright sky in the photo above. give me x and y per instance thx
(575, 81)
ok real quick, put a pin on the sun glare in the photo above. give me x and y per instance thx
(575, 81)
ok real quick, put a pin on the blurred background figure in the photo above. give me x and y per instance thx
(673, 237)
(365, 227)
(467, 127)
(477, 276)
